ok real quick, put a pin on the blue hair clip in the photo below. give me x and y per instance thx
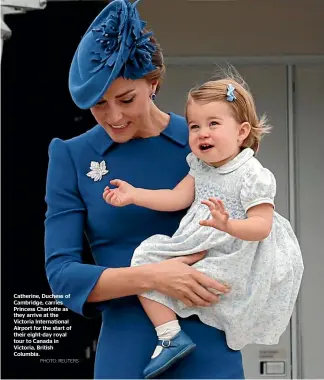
(230, 93)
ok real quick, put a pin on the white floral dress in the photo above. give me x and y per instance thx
(264, 276)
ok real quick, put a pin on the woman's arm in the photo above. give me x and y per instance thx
(64, 231)
(174, 277)
(179, 198)
(256, 227)
(121, 282)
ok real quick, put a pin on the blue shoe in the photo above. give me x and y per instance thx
(173, 350)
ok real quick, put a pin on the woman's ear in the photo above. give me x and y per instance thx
(244, 131)
(154, 85)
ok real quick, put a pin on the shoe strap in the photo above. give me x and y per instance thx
(167, 343)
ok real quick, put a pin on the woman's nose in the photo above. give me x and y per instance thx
(114, 116)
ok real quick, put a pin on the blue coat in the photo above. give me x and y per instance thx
(75, 204)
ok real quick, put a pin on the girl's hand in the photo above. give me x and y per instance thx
(123, 195)
(219, 215)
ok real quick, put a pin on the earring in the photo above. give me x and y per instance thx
(153, 96)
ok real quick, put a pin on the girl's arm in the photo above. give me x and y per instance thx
(176, 199)
(256, 227)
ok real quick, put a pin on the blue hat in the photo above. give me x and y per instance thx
(113, 46)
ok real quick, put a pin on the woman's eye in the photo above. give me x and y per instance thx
(101, 103)
(127, 101)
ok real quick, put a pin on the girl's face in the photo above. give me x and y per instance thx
(215, 136)
(124, 111)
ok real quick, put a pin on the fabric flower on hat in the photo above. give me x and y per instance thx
(122, 33)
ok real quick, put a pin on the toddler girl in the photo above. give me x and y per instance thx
(250, 247)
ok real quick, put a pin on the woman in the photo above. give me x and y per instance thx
(116, 72)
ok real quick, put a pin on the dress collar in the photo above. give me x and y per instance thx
(174, 131)
(236, 162)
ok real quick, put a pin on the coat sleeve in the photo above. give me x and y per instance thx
(64, 232)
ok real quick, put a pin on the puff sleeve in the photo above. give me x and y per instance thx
(64, 231)
(258, 187)
(193, 163)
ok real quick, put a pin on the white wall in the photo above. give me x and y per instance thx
(242, 27)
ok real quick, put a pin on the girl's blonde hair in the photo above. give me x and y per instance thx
(243, 106)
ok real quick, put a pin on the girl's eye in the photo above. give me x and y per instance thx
(194, 126)
(214, 123)
(127, 101)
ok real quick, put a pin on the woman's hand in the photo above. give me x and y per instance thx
(177, 279)
(122, 195)
(220, 216)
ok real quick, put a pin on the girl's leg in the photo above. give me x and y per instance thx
(159, 314)
(164, 320)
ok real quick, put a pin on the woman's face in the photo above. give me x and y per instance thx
(125, 109)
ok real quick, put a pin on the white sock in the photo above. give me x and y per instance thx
(166, 332)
